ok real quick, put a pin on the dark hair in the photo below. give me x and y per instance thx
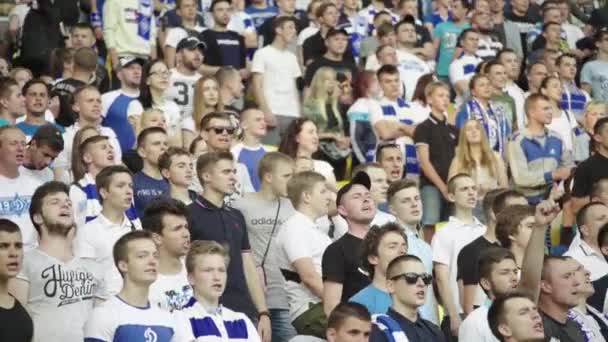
(474, 79)
(33, 82)
(546, 270)
(213, 115)
(104, 177)
(488, 201)
(78, 166)
(381, 147)
(347, 310)
(58, 57)
(8, 226)
(490, 64)
(288, 144)
(279, 21)
(40, 194)
(504, 51)
(157, 209)
(500, 202)
(164, 161)
(120, 251)
(384, 30)
(141, 137)
(363, 82)
(397, 261)
(208, 160)
(549, 23)
(496, 313)
(508, 221)
(490, 257)
(371, 243)
(407, 20)
(145, 96)
(322, 8)
(464, 34)
(48, 135)
(399, 185)
(561, 58)
(215, 2)
(598, 187)
(193, 144)
(387, 69)
(82, 26)
(6, 83)
(423, 81)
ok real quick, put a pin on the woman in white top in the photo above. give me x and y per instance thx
(563, 121)
(302, 141)
(475, 157)
(155, 82)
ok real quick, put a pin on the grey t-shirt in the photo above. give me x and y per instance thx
(554, 330)
(260, 217)
(60, 295)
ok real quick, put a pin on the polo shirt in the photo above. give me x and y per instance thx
(146, 189)
(447, 244)
(588, 173)
(593, 261)
(419, 331)
(226, 226)
(566, 332)
(475, 327)
(195, 322)
(437, 134)
(95, 240)
(300, 237)
(341, 264)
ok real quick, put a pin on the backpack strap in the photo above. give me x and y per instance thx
(391, 329)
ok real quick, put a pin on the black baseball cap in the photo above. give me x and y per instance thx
(191, 43)
(360, 178)
(335, 31)
(49, 135)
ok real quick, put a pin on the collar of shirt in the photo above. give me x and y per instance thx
(476, 223)
(105, 222)
(402, 320)
(305, 220)
(436, 120)
(578, 244)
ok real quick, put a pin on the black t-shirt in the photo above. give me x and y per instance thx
(588, 173)
(314, 47)
(65, 90)
(568, 332)
(16, 324)
(226, 226)
(441, 138)
(524, 24)
(599, 17)
(224, 48)
(345, 66)
(422, 36)
(341, 263)
(468, 260)
(599, 297)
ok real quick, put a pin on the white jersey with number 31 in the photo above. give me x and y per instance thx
(182, 92)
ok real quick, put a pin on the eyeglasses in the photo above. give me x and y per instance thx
(220, 130)
(165, 73)
(412, 278)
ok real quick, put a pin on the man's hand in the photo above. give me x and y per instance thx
(264, 329)
(547, 210)
(455, 324)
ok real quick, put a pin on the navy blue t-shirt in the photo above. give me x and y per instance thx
(145, 189)
(224, 48)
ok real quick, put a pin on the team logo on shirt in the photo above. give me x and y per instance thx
(150, 335)
(15, 206)
(177, 299)
(69, 286)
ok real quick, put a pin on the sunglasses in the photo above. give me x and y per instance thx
(412, 278)
(220, 130)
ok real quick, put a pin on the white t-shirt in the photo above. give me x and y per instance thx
(115, 320)
(381, 218)
(463, 69)
(519, 97)
(43, 176)
(279, 69)
(60, 294)
(476, 328)
(171, 291)
(176, 34)
(299, 238)
(170, 109)
(447, 243)
(15, 197)
(95, 240)
(411, 68)
(564, 126)
(181, 92)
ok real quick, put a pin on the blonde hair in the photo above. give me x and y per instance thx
(146, 114)
(319, 92)
(199, 109)
(300, 183)
(432, 87)
(205, 247)
(595, 103)
(464, 155)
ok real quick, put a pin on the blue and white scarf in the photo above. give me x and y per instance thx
(92, 206)
(391, 329)
(144, 19)
(493, 121)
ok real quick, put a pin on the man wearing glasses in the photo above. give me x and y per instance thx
(407, 282)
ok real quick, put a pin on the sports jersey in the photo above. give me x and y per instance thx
(114, 107)
(195, 322)
(400, 111)
(182, 91)
(368, 14)
(463, 69)
(250, 157)
(15, 198)
(117, 321)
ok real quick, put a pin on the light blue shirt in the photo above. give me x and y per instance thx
(418, 247)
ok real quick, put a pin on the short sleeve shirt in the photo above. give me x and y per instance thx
(437, 134)
(341, 264)
(588, 173)
(567, 332)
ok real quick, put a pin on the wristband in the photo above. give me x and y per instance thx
(263, 313)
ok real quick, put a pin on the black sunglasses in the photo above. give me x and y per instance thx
(412, 278)
(220, 130)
